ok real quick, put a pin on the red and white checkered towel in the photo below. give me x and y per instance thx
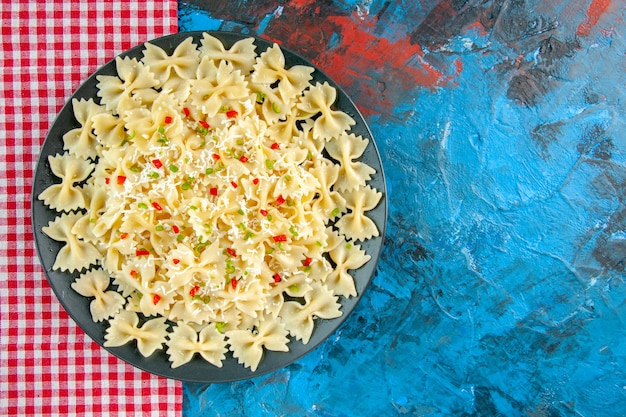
(49, 366)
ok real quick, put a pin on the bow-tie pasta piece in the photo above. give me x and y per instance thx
(299, 318)
(149, 124)
(226, 91)
(184, 342)
(329, 202)
(71, 170)
(247, 344)
(346, 256)
(181, 64)
(270, 68)
(75, 254)
(133, 77)
(81, 141)
(110, 130)
(355, 224)
(346, 149)
(241, 55)
(124, 328)
(173, 72)
(105, 303)
(331, 123)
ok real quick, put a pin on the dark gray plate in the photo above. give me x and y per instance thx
(197, 370)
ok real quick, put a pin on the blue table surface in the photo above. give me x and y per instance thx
(501, 288)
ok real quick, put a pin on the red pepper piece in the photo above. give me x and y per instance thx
(216, 157)
(133, 273)
(280, 200)
(231, 252)
(157, 163)
(263, 212)
(168, 120)
(157, 206)
(186, 112)
(255, 181)
(243, 158)
(194, 290)
(124, 235)
(107, 181)
(176, 261)
(204, 124)
(275, 146)
(277, 277)
(175, 229)
(234, 184)
(213, 191)
(142, 252)
(155, 299)
(231, 113)
(121, 179)
(233, 283)
(280, 238)
(307, 261)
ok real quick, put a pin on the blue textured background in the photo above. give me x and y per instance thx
(501, 287)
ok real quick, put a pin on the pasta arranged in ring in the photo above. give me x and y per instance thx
(211, 201)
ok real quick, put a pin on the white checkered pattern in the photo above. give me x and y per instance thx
(48, 365)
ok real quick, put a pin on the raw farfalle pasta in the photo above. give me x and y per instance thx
(355, 224)
(66, 196)
(125, 327)
(213, 199)
(183, 342)
(81, 141)
(105, 304)
(353, 174)
(76, 254)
